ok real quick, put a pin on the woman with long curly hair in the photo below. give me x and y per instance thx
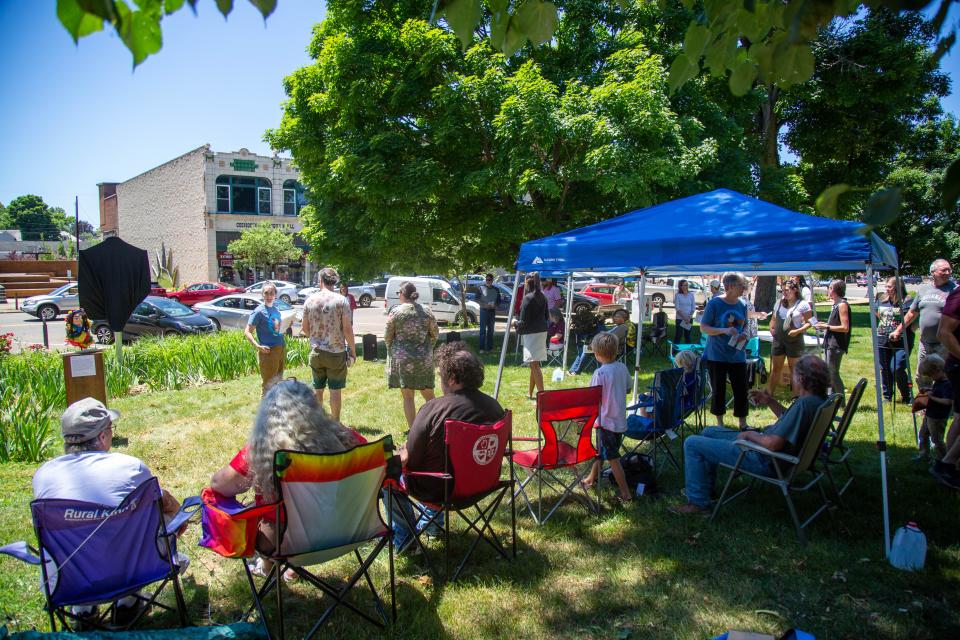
(289, 417)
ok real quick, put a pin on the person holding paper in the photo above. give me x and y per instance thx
(724, 322)
(268, 341)
(686, 306)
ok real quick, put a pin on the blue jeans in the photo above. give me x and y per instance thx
(402, 513)
(487, 318)
(702, 453)
(893, 368)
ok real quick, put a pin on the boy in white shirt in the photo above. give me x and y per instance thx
(614, 378)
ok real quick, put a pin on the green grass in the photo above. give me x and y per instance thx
(640, 572)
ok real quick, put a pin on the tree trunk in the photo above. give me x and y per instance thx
(765, 294)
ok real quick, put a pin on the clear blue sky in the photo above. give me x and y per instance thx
(74, 116)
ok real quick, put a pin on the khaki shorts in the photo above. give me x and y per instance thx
(329, 369)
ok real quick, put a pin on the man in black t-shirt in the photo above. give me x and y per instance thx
(461, 376)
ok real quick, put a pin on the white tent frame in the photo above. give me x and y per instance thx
(868, 267)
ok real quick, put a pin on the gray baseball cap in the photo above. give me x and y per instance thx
(85, 419)
(715, 283)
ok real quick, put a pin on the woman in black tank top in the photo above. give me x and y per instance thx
(837, 338)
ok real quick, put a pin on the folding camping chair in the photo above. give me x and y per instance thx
(668, 393)
(835, 452)
(565, 422)
(790, 470)
(96, 554)
(677, 347)
(554, 354)
(474, 462)
(329, 507)
(658, 335)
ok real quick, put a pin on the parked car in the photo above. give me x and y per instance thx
(232, 311)
(601, 291)
(157, 290)
(580, 301)
(379, 289)
(286, 291)
(156, 316)
(912, 280)
(364, 294)
(202, 292)
(473, 293)
(49, 305)
(861, 281)
(436, 295)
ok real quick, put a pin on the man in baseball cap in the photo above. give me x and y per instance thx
(88, 470)
(714, 288)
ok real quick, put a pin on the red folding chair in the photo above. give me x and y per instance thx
(565, 420)
(474, 462)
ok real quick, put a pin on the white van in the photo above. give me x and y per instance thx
(435, 294)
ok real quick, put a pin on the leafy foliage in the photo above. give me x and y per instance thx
(32, 216)
(421, 157)
(774, 43)
(6, 222)
(263, 246)
(139, 27)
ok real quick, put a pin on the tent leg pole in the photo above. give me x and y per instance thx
(643, 312)
(876, 384)
(506, 335)
(566, 321)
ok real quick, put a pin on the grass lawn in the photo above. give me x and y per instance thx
(638, 572)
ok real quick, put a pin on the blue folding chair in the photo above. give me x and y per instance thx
(668, 393)
(96, 554)
(677, 347)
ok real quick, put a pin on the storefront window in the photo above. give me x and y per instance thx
(294, 197)
(242, 194)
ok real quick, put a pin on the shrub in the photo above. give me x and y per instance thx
(32, 392)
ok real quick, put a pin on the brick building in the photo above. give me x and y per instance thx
(198, 202)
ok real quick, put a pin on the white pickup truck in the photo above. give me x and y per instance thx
(662, 294)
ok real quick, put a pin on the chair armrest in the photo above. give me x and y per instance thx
(189, 508)
(21, 551)
(429, 474)
(522, 439)
(753, 446)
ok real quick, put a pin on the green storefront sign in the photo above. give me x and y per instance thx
(243, 165)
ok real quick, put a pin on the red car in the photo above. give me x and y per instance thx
(601, 292)
(202, 292)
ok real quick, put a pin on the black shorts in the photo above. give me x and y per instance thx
(608, 444)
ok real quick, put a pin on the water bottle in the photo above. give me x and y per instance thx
(909, 548)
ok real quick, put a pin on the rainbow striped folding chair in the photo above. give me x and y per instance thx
(329, 508)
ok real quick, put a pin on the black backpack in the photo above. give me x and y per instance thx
(638, 469)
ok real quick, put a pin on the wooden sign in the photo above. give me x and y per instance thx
(83, 375)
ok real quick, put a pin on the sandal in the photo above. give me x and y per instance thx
(257, 569)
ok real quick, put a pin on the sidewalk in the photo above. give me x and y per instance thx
(7, 307)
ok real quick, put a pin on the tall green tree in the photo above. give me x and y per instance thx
(416, 154)
(876, 81)
(31, 215)
(263, 247)
(6, 222)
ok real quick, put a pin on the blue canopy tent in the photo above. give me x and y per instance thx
(717, 231)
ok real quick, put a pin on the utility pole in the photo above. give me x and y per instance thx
(76, 222)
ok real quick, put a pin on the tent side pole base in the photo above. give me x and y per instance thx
(506, 335)
(881, 443)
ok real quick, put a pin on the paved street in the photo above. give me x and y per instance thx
(28, 330)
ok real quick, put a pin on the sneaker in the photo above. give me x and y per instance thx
(689, 509)
(920, 457)
(947, 474)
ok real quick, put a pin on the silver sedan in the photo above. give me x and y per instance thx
(232, 311)
(286, 291)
